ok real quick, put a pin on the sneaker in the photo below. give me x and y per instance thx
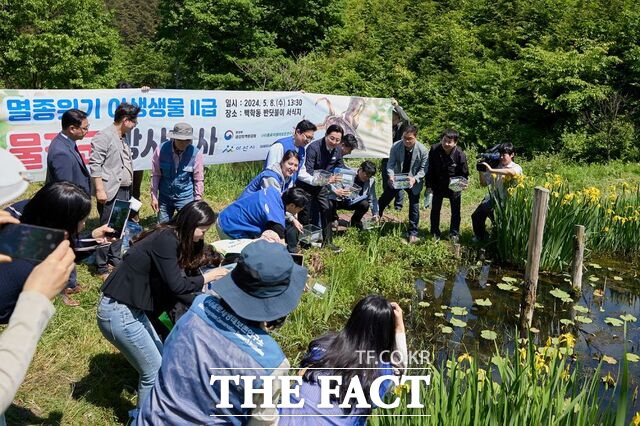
(334, 248)
(398, 208)
(413, 239)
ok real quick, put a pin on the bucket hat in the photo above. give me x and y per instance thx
(181, 131)
(12, 180)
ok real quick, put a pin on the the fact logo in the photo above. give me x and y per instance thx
(330, 386)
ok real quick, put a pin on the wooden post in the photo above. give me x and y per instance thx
(578, 256)
(536, 233)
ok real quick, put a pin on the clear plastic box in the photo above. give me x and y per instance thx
(458, 183)
(369, 223)
(311, 234)
(321, 177)
(401, 181)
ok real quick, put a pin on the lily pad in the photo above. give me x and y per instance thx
(457, 323)
(483, 302)
(583, 319)
(566, 321)
(617, 278)
(443, 307)
(538, 306)
(458, 310)
(628, 318)
(509, 279)
(556, 292)
(593, 278)
(595, 266)
(614, 322)
(488, 335)
(424, 304)
(439, 314)
(632, 357)
(446, 329)
(598, 293)
(507, 287)
(609, 360)
(534, 330)
(580, 308)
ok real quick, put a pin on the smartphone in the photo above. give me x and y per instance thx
(297, 258)
(21, 241)
(118, 218)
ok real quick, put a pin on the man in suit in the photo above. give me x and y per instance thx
(407, 156)
(64, 163)
(399, 122)
(111, 170)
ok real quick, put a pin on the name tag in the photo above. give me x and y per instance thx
(188, 169)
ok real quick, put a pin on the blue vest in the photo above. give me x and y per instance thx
(247, 217)
(256, 184)
(176, 184)
(207, 340)
(289, 145)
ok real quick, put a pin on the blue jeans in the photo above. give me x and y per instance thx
(129, 330)
(414, 206)
(166, 208)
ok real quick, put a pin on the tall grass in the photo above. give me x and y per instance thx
(611, 217)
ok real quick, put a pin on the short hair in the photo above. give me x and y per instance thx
(410, 129)
(295, 196)
(126, 110)
(73, 117)
(305, 125)
(368, 167)
(334, 128)
(123, 85)
(350, 141)
(290, 154)
(451, 135)
(506, 148)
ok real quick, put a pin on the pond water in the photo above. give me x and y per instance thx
(609, 291)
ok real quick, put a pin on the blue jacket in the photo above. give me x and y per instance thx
(248, 217)
(256, 184)
(288, 144)
(208, 340)
(176, 184)
(64, 163)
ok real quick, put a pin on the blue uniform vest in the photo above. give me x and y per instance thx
(289, 145)
(247, 217)
(207, 340)
(256, 184)
(176, 184)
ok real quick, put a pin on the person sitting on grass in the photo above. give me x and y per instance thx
(262, 211)
(359, 204)
(494, 178)
(227, 334)
(373, 332)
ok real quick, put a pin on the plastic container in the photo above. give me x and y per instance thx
(311, 234)
(458, 183)
(319, 289)
(321, 177)
(369, 223)
(401, 181)
(346, 176)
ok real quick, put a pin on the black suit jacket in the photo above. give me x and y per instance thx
(64, 163)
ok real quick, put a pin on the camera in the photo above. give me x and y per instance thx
(491, 157)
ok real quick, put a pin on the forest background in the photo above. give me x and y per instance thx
(557, 76)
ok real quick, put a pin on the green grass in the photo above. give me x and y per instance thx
(77, 377)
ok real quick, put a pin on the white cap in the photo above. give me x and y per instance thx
(12, 181)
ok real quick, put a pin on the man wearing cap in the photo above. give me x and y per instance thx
(177, 173)
(226, 334)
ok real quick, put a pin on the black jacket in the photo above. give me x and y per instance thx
(441, 167)
(149, 276)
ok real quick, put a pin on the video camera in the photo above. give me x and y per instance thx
(491, 157)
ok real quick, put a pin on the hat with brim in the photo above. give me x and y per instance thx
(181, 131)
(12, 181)
(265, 285)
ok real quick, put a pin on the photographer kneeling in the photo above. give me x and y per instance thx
(493, 176)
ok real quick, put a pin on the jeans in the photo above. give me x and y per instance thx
(414, 206)
(479, 218)
(129, 330)
(110, 253)
(166, 208)
(455, 199)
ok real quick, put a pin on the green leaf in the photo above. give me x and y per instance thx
(617, 278)
(615, 322)
(538, 306)
(507, 287)
(483, 302)
(628, 318)
(439, 314)
(556, 292)
(509, 279)
(584, 320)
(593, 278)
(632, 357)
(424, 304)
(457, 323)
(446, 329)
(457, 310)
(566, 321)
(595, 266)
(580, 308)
(488, 335)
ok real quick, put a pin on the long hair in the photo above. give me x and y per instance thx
(191, 254)
(59, 205)
(367, 338)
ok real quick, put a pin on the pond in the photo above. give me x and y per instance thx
(609, 292)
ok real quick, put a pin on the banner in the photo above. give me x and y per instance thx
(230, 126)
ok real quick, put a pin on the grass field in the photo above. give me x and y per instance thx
(77, 377)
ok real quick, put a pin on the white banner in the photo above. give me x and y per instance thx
(230, 126)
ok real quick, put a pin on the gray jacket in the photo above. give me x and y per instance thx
(110, 158)
(418, 163)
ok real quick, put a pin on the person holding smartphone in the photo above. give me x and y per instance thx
(162, 262)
